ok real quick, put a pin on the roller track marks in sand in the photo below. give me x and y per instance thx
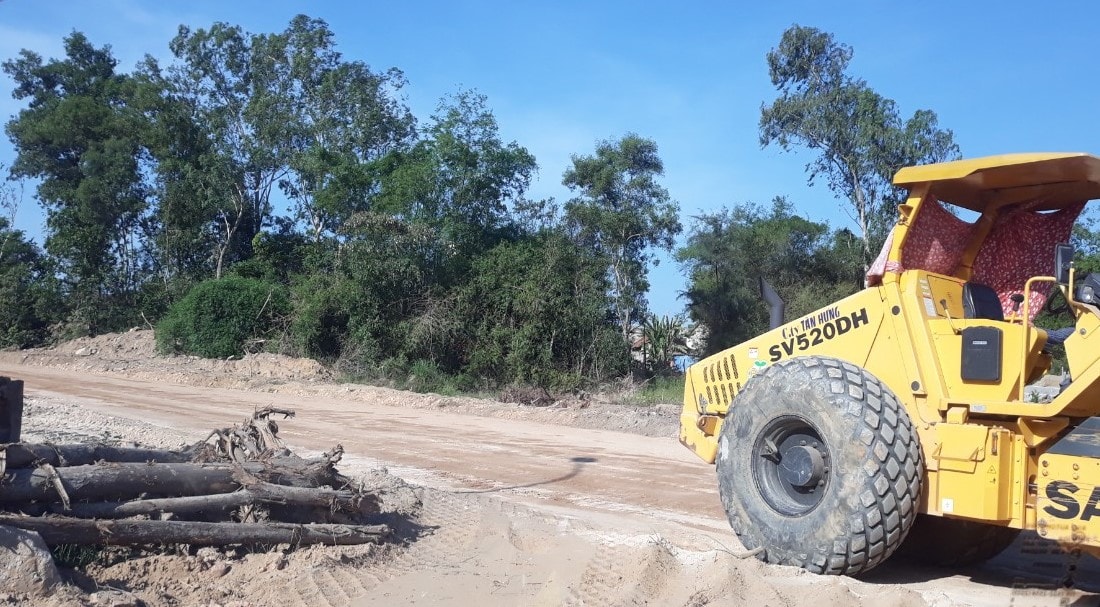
(326, 585)
(633, 572)
(453, 525)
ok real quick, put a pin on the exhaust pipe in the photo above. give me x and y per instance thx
(776, 306)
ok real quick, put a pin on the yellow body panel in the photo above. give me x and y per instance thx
(974, 476)
(1068, 504)
(1069, 511)
(849, 326)
(985, 449)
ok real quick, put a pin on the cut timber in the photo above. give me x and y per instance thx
(117, 480)
(25, 455)
(258, 493)
(63, 530)
(240, 486)
(127, 480)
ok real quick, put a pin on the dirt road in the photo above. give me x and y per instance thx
(536, 513)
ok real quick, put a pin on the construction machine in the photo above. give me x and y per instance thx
(904, 405)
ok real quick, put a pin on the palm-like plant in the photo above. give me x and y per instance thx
(665, 337)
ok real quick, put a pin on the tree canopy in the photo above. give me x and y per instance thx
(262, 190)
(80, 136)
(623, 215)
(729, 251)
(858, 136)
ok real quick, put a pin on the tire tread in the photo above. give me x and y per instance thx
(893, 472)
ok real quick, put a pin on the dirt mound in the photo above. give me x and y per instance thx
(209, 576)
(134, 344)
(133, 354)
(480, 546)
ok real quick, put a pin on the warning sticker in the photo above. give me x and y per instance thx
(930, 307)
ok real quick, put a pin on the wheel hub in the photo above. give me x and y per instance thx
(791, 467)
(802, 466)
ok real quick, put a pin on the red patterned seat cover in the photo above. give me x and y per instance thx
(1020, 245)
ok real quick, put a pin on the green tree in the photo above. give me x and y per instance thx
(858, 137)
(346, 119)
(358, 314)
(447, 201)
(30, 296)
(190, 183)
(622, 214)
(728, 252)
(1086, 242)
(11, 195)
(81, 137)
(402, 259)
(230, 83)
(282, 253)
(462, 178)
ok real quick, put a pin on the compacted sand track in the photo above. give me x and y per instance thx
(520, 506)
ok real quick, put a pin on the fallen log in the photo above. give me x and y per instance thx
(128, 480)
(112, 481)
(196, 504)
(293, 471)
(243, 474)
(257, 493)
(323, 497)
(26, 455)
(65, 530)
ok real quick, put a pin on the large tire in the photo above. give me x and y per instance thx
(945, 542)
(819, 466)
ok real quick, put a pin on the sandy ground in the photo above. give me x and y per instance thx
(579, 503)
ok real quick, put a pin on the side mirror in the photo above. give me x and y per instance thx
(1063, 259)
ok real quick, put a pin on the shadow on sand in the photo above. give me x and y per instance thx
(1037, 569)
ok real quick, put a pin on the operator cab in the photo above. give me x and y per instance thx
(983, 282)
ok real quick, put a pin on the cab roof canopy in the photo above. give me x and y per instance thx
(1048, 180)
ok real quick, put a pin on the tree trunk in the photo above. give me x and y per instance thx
(25, 455)
(342, 501)
(129, 480)
(97, 482)
(63, 530)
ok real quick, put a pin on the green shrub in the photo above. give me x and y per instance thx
(218, 318)
(426, 376)
(660, 390)
(536, 312)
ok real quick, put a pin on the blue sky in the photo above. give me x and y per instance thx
(1004, 76)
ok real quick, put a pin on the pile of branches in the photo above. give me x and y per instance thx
(240, 486)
